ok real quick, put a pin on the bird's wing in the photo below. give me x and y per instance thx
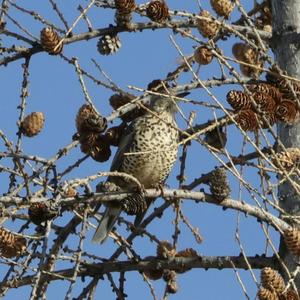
(124, 147)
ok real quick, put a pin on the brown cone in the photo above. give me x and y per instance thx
(32, 124)
(157, 11)
(203, 56)
(238, 100)
(289, 295)
(247, 119)
(292, 240)
(287, 112)
(88, 121)
(244, 52)
(50, 41)
(125, 6)
(265, 294)
(222, 8)
(11, 245)
(267, 89)
(272, 280)
(208, 28)
(108, 44)
(218, 183)
(41, 212)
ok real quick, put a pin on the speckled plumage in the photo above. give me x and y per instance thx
(148, 151)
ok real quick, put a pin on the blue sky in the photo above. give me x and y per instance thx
(55, 90)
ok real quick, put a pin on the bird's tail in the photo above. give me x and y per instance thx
(106, 224)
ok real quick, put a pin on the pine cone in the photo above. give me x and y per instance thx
(272, 280)
(284, 86)
(32, 124)
(267, 89)
(50, 41)
(113, 135)
(289, 295)
(108, 44)
(125, 6)
(218, 183)
(244, 52)
(157, 11)
(292, 240)
(252, 71)
(264, 102)
(88, 121)
(288, 159)
(222, 8)
(208, 28)
(134, 204)
(265, 294)
(165, 250)
(41, 212)
(287, 112)
(203, 56)
(247, 120)
(11, 245)
(238, 100)
(216, 138)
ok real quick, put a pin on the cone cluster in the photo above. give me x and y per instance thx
(124, 8)
(223, 8)
(207, 27)
(292, 240)
(41, 212)
(218, 183)
(108, 44)
(268, 100)
(288, 159)
(248, 55)
(118, 100)
(157, 11)
(90, 126)
(11, 245)
(50, 41)
(32, 124)
(203, 56)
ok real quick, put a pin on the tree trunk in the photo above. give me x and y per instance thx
(286, 25)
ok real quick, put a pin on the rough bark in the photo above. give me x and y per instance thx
(286, 26)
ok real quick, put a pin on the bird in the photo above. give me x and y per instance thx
(147, 150)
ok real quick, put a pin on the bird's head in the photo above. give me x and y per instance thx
(165, 104)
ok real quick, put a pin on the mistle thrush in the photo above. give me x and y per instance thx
(148, 151)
